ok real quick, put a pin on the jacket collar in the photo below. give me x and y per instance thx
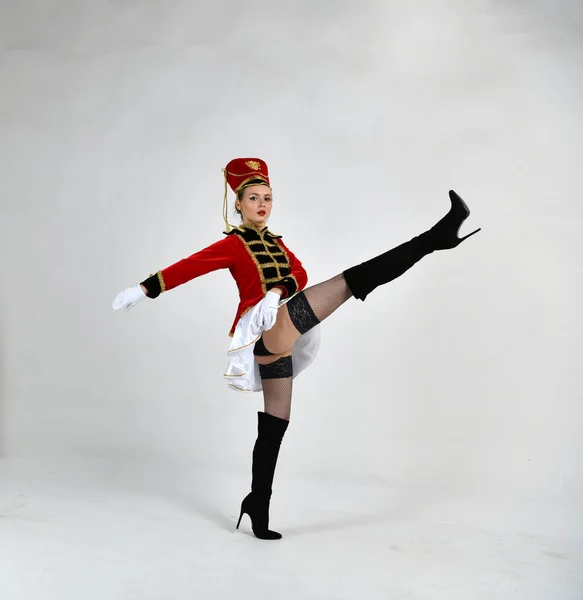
(254, 228)
(262, 231)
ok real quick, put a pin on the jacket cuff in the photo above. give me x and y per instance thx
(155, 285)
(282, 288)
(289, 286)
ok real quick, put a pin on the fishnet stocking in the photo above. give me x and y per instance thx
(326, 297)
(277, 395)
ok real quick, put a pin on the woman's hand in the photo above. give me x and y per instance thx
(267, 313)
(129, 297)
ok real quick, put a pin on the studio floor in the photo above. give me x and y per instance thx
(96, 529)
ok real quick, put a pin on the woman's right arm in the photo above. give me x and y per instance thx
(220, 255)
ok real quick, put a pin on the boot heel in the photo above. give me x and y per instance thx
(469, 234)
(240, 517)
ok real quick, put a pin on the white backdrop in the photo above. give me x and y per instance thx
(459, 385)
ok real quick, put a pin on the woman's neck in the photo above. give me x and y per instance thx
(250, 225)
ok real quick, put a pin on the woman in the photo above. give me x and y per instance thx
(276, 329)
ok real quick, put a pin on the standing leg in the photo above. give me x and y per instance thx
(277, 378)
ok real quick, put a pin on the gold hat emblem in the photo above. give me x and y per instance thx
(253, 164)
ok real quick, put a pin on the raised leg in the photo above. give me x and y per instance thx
(316, 303)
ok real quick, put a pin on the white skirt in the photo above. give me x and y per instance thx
(242, 370)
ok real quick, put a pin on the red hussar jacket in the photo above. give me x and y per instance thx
(257, 259)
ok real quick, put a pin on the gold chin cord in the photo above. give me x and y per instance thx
(225, 204)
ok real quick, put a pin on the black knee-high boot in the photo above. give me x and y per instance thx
(270, 432)
(362, 279)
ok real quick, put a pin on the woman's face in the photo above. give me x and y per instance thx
(255, 204)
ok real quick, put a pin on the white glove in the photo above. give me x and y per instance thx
(267, 313)
(129, 298)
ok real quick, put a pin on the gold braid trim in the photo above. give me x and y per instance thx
(274, 263)
(246, 346)
(244, 184)
(250, 175)
(162, 282)
(283, 251)
(254, 259)
(289, 264)
(232, 385)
